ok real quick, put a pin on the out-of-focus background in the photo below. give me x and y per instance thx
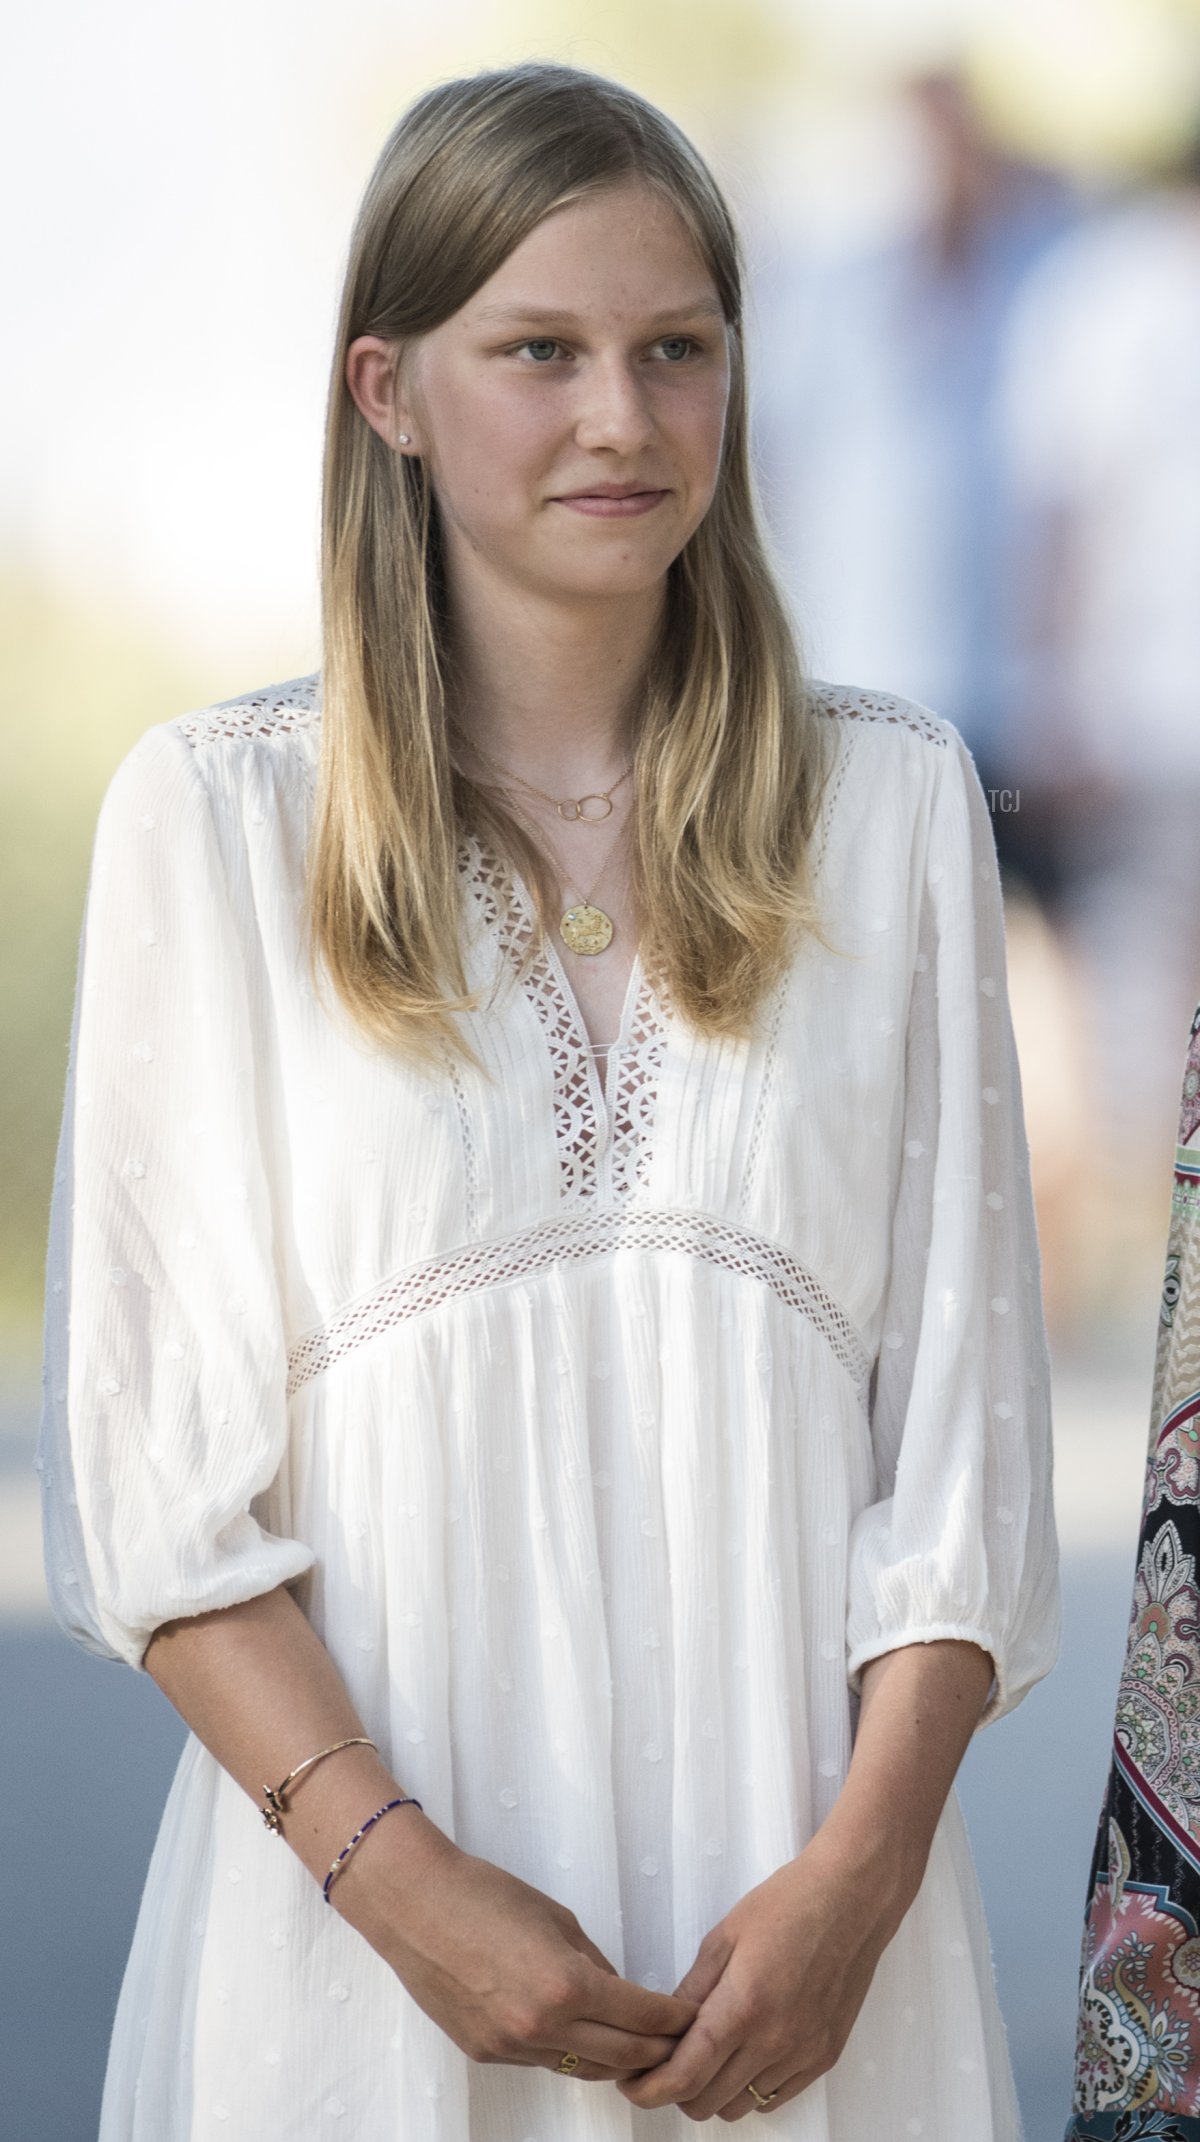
(973, 229)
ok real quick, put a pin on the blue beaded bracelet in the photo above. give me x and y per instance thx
(405, 1800)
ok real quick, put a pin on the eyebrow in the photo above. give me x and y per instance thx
(545, 315)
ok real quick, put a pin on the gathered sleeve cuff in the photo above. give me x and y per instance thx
(960, 1542)
(164, 1412)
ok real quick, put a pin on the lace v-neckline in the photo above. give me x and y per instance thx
(602, 1112)
(612, 1047)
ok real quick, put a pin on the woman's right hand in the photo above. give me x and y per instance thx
(505, 1971)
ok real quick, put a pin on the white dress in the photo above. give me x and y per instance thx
(602, 1439)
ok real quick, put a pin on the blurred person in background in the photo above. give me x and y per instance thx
(588, 1365)
(1137, 2069)
(886, 486)
(886, 492)
(1098, 419)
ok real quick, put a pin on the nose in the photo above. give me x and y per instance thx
(613, 409)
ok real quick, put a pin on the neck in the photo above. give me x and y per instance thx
(552, 692)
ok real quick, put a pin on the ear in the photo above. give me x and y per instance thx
(373, 377)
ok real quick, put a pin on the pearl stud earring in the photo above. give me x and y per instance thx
(402, 439)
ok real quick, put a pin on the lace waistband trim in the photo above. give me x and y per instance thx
(575, 1236)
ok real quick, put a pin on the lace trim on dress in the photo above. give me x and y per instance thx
(637, 1063)
(576, 1126)
(295, 704)
(589, 1135)
(276, 709)
(595, 1231)
(878, 706)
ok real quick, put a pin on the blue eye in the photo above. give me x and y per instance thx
(542, 344)
(676, 345)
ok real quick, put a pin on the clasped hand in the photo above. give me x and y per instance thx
(770, 1999)
(511, 1977)
(778, 1983)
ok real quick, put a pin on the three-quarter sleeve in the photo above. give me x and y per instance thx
(164, 1411)
(961, 1542)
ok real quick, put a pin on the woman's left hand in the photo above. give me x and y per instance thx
(780, 1980)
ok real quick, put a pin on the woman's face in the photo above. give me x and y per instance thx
(571, 414)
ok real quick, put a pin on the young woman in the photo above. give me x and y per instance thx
(555, 1389)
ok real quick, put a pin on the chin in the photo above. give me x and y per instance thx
(602, 578)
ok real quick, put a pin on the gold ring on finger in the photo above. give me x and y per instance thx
(568, 2064)
(758, 2097)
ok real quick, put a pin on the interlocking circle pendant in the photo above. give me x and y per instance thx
(586, 928)
(572, 807)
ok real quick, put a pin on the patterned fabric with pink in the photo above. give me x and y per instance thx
(1137, 2071)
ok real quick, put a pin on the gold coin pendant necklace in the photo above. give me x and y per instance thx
(584, 927)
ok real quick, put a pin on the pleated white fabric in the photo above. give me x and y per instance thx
(602, 1435)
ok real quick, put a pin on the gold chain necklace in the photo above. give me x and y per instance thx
(584, 927)
(568, 808)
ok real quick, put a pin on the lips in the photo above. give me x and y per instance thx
(611, 490)
(612, 501)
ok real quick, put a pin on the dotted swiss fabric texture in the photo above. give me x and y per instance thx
(604, 1430)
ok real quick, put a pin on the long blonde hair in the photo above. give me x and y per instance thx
(728, 759)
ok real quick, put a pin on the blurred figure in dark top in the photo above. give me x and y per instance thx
(884, 478)
(1098, 416)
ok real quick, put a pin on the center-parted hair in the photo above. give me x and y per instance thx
(728, 755)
